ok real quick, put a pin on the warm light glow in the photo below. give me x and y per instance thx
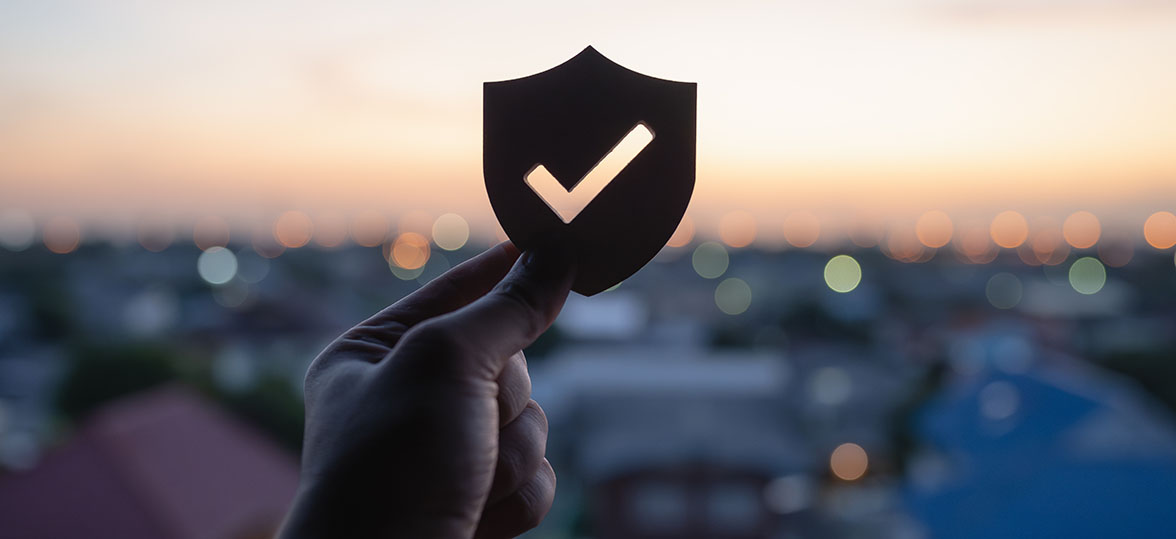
(1081, 230)
(934, 229)
(802, 229)
(849, 461)
(61, 235)
(265, 244)
(683, 234)
(843, 273)
(737, 228)
(1009, 229)
(733, 296)
(902, 244)
(1160, 230)
(974, 243)
(865, 233)
(293, 229)
(410, 251)
(369, 228)
(451, 232)
(210, 231)
(1046, 241)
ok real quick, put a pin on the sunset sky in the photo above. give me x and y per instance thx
(112, 110)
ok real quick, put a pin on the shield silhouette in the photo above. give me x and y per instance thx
(592, 158)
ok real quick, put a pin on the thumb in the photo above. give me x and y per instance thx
(507, 319)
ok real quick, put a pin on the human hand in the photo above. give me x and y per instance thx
(419, 421)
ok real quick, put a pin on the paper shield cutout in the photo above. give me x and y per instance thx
(592, 157)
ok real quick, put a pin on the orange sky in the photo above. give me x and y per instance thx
(969, 106)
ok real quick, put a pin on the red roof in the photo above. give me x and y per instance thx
(165, 463)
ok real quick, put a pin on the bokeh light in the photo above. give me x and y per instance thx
(1081, 230)
(61, 235)
(843, 273)
(733, 296)
(265, 244)
(1116, 249)
(849, 461)
(369, 228)
(902, 244)
(934, 229)
(1003, 290)
(155, 233)
(710, 260)
(830, 386)
(210, 231)
(998, 400)
(737, 228)
(684, 234)
(974, 244)
(451, 231)
(802, 229)
(330, 230)
(1087, 275)
(217, 265)
(410, 251)
(866, 232)
(293, 229)
(1047, 242)
(1160, 230)
(18, 231)
(1009, 229)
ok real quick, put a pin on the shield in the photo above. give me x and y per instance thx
(592, 158)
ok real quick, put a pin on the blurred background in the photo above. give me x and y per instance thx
(925, 287)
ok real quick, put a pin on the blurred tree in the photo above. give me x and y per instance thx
(99, 374)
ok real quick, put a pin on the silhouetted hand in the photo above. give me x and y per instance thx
(419, 421)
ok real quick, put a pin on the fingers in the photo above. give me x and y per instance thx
(514, 389)
(522, 510)
(521, 445)
(452, 290)
(483, 334)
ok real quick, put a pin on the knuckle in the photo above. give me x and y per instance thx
(526, 300)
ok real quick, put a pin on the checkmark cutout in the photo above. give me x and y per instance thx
(568, 203)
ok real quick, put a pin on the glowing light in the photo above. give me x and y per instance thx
(849, 461)
(451, 232)
(432, 269)
(330, 230)
(733, 296)
(293, 229)
(217, 265)
(683, 234)
(369, 228)
(1087, 275)
(1009, 229)
(737, 229)
(155, 234)
(1160, 230)
(710, 260)
(18, 231)
(1081, 230)
(902, 244)
(1003, 290)
(802, 229)
(934, 229)
(865, 233)
(974, 243)
(265, 244)
(999, 400)
(410, 251)
(843, 273)
(210, 231)
(1046, 241)
(61, 235)
(830, 386)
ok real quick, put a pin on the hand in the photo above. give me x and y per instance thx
(419, 421)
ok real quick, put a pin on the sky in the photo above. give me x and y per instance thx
(114, 110)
